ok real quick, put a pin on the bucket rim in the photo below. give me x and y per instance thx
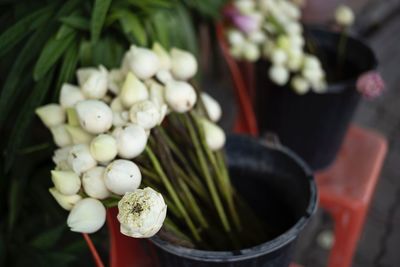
(267, 247)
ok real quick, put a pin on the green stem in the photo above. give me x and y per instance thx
(172, 192)
(206, 173)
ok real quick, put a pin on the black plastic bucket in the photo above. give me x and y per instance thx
(281, 190)
(313, 125)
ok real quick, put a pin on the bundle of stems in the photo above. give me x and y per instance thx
(205, 211)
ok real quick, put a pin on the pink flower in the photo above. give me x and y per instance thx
(242, 22)
(370, 84)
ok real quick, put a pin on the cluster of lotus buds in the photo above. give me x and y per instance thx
(271, 29)
(102, 124)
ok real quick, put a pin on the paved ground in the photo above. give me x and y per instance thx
(380, 241)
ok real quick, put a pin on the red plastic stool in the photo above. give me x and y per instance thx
(346, 189)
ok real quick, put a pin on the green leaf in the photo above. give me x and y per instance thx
(63, 31)
(48, 238)
(52, 51)
(15, 200)
(22, 28)
(85, 53)
(68, 67)
(132, 26)
(24, 118)
(77, 22)
(98, 16)
(12, 86)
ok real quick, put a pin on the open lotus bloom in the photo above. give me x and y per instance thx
(271, 30)
(141, 213)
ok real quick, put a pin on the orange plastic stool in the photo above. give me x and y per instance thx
(346, 189)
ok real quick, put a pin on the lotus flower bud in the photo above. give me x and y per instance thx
(94, 116)
(311, 62)
(213, 108)
(143, 62)
(251, 52)
(296, 42)
(235, 37)
(93, 82)
(61, 136)
(60, 158)
(103, 148)
(141, 213)
(66, 202)
(78, 135)
(122, 176)
(300, 85)
(290, 9)
(293, 28)
(70, 95)
(120, 118)
(295, 59)
(163, 56)
(278, 56)
(66, 182)
(319, 87)
(115, 80)
(116, 105)
(80, 159)
(313, 75)
(279, 74)
(131, 141)
(145, 114)
(283, 42)
(51, 115)
(93, 183)
(87, 216)
(215, 136)
(133, 91)
(164, 76)
(72, 117)
(257, 37)
(180, 96)
(245, 6)
(344, 16)
(183, 64)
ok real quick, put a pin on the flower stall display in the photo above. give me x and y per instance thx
(145, 139)
(308, 79)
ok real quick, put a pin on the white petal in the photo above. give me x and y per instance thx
(93, 183)
(80, 159)
(94, 116)
(213, 108)
(122, 176)
(66, 182)
(184, 64)
(133, 90)
(87, 216)
(180, 96)
(61, 136)
(131, 141)
(70, 95)
(145, 114)
(103, 148)
(66, 202)
(51, 115)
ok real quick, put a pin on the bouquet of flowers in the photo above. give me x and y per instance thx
(143, 137)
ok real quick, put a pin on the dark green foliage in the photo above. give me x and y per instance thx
(42, 42)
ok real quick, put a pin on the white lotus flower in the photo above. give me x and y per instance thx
(78, 135)
(180, 96)
(344, 16)
(212, 106)
(279, 74)
(141, 213)
(257, 37)
(120, 118)
(214, 135)
(183, 64)
(122, 176)
(80, 159)
(278, 56)
(163, 56)
(61, 136)
(133, 90)
(245, 6)
(94, 116)
(300, 85)
(87, 216)
(103, 148)
(251, 52)
(143, 62)
(51, 115)
(145, 114)
(235, 37)
(66, 182)
(164, 76)
(60, 158)
(93, 82)
(66, 202)
(70, 95)
(131, 140)
(115, 80)
(93, 183)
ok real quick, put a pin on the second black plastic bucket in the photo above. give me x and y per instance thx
(281, 190)
(313, 125)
